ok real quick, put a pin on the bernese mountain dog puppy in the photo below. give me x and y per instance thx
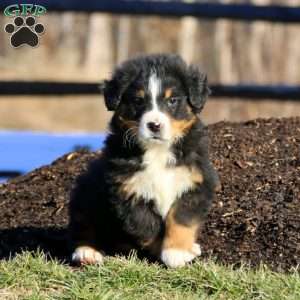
(153, 185)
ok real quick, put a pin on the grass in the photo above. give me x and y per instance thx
(32, 276)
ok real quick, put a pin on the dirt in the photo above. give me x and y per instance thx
(255, 218)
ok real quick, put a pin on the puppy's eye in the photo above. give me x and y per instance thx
(172, 101)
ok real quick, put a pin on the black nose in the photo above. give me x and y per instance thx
(154, 126)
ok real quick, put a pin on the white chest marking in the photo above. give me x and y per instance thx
(158, 182)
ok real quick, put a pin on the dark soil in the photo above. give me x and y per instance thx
(255, 218)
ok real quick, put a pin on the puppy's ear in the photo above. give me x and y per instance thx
(198, 89)
(114, 88)
(112, 94)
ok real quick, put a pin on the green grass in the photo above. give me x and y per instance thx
(32, 276)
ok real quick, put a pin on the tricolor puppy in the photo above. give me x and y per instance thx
(153, 185)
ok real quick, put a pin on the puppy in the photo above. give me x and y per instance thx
(153, 184)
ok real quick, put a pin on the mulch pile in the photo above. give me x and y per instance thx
(255, 218)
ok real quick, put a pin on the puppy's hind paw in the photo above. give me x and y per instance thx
(85, 255)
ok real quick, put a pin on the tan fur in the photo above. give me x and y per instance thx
(140, 93)
(168, 93)
(129, 123)
(196, 176)
(180, 127)
(179, 236)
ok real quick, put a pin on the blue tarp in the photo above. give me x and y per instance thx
(24, 151)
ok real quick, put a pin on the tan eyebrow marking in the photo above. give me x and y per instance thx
(140, 93)
(168, 93)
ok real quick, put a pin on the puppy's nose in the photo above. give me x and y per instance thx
(154, 126)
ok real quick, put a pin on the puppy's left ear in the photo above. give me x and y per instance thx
(110, 90)
(198, 89)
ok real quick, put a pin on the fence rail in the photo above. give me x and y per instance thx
(255, 92)
(14, 163)
(241, 12)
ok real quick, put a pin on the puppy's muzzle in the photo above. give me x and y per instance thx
(154, 126)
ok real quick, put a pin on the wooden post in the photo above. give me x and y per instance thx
(187, 37)
(223, 43)
(124, 35)
(99, 52)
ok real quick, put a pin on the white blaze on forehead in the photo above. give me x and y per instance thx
(154, 86)
(154, 114)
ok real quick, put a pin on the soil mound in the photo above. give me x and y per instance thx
(255, 218)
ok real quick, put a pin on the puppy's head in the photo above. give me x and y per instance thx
(155, 98)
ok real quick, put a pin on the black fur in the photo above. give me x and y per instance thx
(100, 216)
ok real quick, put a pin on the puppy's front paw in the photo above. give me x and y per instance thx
(177, 258)
(86, 255)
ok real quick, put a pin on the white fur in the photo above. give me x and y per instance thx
(154, 86)
(145, 134)
(160, 180)
(87, 255)
(196, 249)
(177, 258)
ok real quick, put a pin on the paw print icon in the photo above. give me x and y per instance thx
(24, 31)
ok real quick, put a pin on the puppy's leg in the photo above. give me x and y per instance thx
(179, 246)
(83, 238)
(85, 251)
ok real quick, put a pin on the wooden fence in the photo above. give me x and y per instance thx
(38, 146)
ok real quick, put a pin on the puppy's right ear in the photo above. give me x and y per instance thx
(112, 95)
